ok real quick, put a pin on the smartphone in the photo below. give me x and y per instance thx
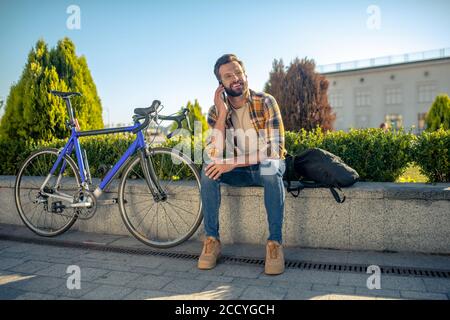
(224, 96)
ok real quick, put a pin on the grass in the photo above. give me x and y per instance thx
(412, 174)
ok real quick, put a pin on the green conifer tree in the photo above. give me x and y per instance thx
(439, 114)
(32, 113)
(195, 114)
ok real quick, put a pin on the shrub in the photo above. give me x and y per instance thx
(376, 155)
(431, 151)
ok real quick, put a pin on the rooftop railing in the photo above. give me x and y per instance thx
(385, 61)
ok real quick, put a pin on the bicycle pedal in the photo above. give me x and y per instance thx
(58, 207)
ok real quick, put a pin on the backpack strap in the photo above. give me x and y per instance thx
(336, 195)
(295, 191)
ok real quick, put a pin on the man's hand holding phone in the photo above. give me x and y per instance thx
(219, 102)
(217, 167)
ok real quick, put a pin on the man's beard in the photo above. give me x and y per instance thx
(236, 93)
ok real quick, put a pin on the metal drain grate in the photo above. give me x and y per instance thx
(290, 264)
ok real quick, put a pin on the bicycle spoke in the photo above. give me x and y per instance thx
(175, 175)
(40, 168)
(140, 202)
(184, 200)
(51, 222)
(192, 214)
(181, 217)
(167, 226)
(173, 190)
(138, 174)
(145, 216)
(157, 224)
(153, 219)
(34, 212)
(40, 215)
(174, 226)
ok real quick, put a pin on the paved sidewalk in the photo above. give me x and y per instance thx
(32, 271)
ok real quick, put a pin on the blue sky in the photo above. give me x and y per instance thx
(138, 51)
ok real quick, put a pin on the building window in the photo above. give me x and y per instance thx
(421, 121)
(395, 121)
(336, 100)
(362, 99)
(427, 92)
(393, 96)
(339, 122)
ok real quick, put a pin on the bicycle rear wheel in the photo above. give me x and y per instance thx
(41, 211)
(166, 223)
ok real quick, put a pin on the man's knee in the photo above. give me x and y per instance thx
(270, 179)
(271, 171)
(204, 178)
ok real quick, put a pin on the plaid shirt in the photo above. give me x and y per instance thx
(266, 118)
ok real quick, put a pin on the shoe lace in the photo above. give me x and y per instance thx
(209, 245)
(273, 251)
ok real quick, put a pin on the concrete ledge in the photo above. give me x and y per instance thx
(375, 216)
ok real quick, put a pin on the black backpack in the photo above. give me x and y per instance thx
(317, 168)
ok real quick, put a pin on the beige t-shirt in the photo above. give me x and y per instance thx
(246, 135)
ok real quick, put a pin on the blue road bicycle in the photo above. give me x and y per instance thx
(158, 193)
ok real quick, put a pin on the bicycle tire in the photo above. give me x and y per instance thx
(126, 216)
(17, 193)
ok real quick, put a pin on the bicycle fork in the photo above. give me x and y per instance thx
(150, 176)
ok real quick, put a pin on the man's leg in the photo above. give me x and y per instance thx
(271, 178)
(210, 193)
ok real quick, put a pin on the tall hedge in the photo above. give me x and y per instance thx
(375, 154)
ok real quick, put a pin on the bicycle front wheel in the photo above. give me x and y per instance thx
(169, 222)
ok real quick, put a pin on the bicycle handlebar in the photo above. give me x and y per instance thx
(148, 114)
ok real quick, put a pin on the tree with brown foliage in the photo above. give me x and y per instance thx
(301, 93)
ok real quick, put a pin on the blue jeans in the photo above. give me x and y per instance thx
(268, 174)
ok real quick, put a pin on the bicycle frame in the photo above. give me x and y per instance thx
(73, 143)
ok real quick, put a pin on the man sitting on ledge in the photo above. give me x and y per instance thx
(253, 123)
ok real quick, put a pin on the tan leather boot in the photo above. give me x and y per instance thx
(210, 254)
(274, 258)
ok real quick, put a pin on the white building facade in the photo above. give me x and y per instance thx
(398, 90)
